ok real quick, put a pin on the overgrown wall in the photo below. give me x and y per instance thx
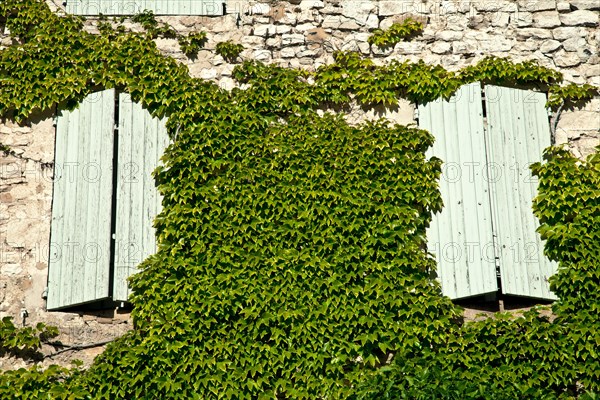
(301, 34)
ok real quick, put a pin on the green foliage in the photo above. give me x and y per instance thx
(568, 207)
(192, 43)
(54, 382)
(229, 51)
(152, 27)
(396, 33)
(16, 340)
(291, 258)
(504, 72)
(571, 93)
(5, 149)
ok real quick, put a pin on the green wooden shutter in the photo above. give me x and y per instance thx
(141, 142)
(518, 133)
(461, 236)
(132, 7)
(81, 207)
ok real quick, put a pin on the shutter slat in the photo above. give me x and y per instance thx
(461, 235)
(158, 7)
(138, 202)
(518, 133)
(81, 209)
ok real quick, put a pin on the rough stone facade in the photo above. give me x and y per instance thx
(563, 35)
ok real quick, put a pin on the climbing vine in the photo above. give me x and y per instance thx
(290, 257)
(229, 51)
(396, 33)
(28, 339)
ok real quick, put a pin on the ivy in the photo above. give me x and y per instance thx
(291, 258)
(396, 33)
(147, 20)
(28, 339)
(192, 43)
(229, 51)
(571, 93)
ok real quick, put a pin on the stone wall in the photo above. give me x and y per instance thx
(299, 34)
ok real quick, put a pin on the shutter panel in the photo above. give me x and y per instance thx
(518, 133)
(132, 7)
(79, 261)
(461, 235)
(142, 141)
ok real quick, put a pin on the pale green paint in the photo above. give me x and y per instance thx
(460, 237)
(81, 208)
(518, 133)
(158, 7)
(141, 142)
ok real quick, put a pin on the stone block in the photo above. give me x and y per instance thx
(565, 33)
(549, 46)
(292, 39)
(546, 19)
(441, 48)
(566, 59)
(395, 7)
(574, 44)
(265, 30)
(317, 35)
(537, 5)
(584, 120)
(408, 47)
(448, 36)
(580, 18)
(524, 19)
(586, 4)
(288, 52)
(536, 33)
(500, 19)
(358, 9)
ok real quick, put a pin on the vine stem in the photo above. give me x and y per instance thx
(555, 121)
(76, 347)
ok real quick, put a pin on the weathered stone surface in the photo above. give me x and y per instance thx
(262, 55)
(536, 5)
(580, 18)
(359, 10)
(395, 7)
(288, 52)
(408, 47)
(585, 120)
(524, 19)
(317, 35)
(441, 48)
(292, 39)
(566, 59)
(310, 4)
(586, 4)
(259, 8)
(496, 45)
(381, 51)
(448, 36)
(574, 44)
(500, 19)
(565, 33)
(372, 22)
(265, 30)
(549, 46)
(273, 42)
(562, 6)
(536, 33)
(546, 19)
(463, 48)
